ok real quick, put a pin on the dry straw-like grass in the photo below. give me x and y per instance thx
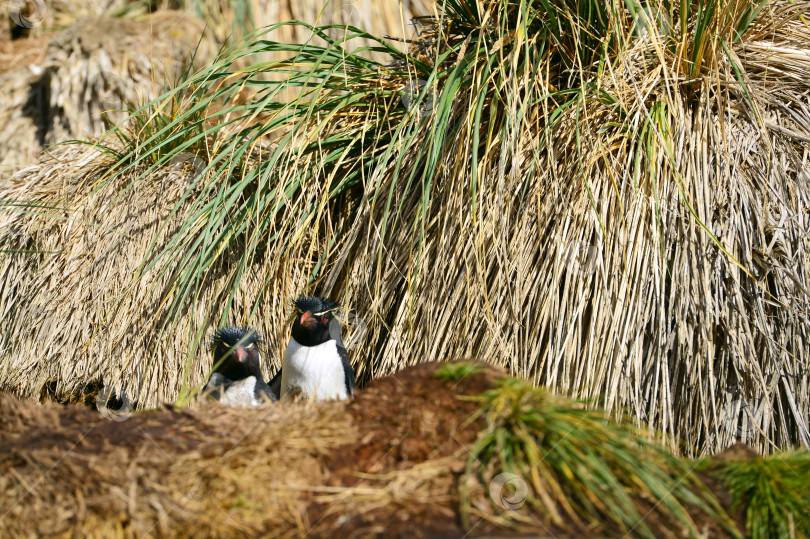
(89, 265)
(207, 472)
(644, 245)
(21, 106)
(61, 83)
(84, 59)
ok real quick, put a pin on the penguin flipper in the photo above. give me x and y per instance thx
(263, 392)
(215, 386)
(275, 386)
(347, 370)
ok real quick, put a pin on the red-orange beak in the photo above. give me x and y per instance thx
(241, 354)
(307, 319)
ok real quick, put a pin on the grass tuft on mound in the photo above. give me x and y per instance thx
(579, 471)
(773, 492)
(453, 372)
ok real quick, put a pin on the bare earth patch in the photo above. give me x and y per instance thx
(388, 464)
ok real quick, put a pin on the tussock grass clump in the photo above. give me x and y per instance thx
(75, 81)
(71, 303)
(773, 492)
(97, 67)
(579, 471)
(608, 199)
(452, 372)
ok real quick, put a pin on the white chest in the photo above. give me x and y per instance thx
(240, 393)
(316, 371)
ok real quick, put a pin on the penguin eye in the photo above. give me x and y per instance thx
(323, 319)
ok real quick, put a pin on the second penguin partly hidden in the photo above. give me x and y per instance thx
(315, 365)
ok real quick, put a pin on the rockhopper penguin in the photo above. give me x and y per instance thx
(237, 379)
(316, 365)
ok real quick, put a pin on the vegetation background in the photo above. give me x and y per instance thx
(609, 199)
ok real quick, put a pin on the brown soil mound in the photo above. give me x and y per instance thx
(200, 472)
(387, 464)
(413, 442)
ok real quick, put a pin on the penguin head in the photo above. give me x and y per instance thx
(236, 353)
(314, 321)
